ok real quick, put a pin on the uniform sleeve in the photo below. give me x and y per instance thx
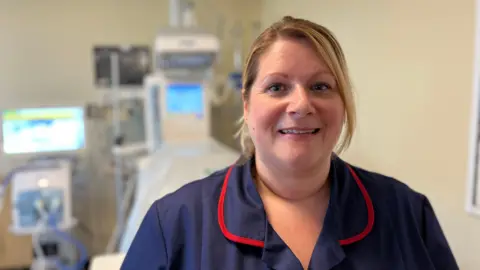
(147, 251)
(435, 240)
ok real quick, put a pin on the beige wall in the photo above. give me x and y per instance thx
(412, 65)
(46, 59)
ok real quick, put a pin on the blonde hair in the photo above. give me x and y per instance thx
(327, 48)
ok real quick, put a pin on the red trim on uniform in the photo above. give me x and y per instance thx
(258, 243)
(370, 213)
(221, 218)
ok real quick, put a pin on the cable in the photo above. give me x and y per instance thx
(83, 254)
(4, 185)
(39, 228)
(2, 197)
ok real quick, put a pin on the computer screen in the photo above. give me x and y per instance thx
(35, 130)
(185, 99)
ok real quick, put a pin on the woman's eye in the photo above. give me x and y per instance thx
(321, 87)
(276, 87)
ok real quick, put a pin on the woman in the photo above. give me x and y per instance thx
(294, 204)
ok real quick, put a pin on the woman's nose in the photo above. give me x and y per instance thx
(300, 103)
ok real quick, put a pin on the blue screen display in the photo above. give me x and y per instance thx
(185, 99)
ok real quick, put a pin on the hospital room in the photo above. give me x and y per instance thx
(239, 134)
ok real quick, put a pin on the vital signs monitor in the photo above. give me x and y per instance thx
(36, 130)
(184, 98)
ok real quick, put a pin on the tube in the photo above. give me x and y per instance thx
(83, 255)
(4, 185)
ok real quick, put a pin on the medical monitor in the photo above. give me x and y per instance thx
(185, 98)
(37, 130)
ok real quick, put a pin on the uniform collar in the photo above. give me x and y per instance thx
(242, 217)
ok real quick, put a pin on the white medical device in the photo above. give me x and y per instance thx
(176, 96)
(40, 192)
(184, 62)
(41, 189)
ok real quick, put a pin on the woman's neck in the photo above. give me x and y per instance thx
(292, 185)
(295, 203)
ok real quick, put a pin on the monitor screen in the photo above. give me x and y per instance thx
(185, 99)
(37, 130)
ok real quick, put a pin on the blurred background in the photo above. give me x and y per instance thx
(413, 64)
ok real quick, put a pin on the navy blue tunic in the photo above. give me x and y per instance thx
(373, 222)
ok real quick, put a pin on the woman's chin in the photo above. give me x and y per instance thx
(298, 160)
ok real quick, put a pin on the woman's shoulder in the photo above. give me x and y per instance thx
(395, 202)
(382, 187)
(409, 214)
(195, 193)
(195, 201)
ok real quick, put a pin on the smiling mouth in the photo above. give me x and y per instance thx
(299, 131)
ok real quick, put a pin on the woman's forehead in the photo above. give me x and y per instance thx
(290, 58)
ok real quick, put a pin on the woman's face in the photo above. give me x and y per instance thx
(294, 113)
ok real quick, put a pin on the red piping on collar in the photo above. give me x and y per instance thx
(370, 212)
(261, 244)
(221, 218)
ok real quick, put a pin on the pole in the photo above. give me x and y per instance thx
(116, 118)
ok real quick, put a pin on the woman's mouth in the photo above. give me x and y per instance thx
(293, 131)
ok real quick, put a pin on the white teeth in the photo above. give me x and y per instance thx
(294, 131)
